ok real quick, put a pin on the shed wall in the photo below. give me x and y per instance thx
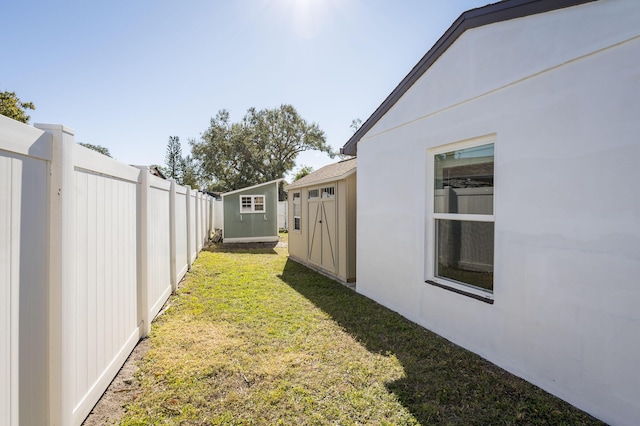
(561, 97)
(345, 205)
(254, 226)
(298, 238)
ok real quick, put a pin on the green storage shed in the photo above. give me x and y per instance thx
(251, 214)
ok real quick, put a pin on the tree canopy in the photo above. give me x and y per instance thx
(189, 173)
(11, 106)
(262, 147)
(302, 172)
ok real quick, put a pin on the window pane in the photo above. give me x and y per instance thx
(258, 204)
(296, 223)
(464, 181)
(328, 192)
(245, 204)
(313, 193)
(464, 252)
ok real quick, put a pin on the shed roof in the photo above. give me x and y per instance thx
(490, 14)
(336, 171)
(271, 182)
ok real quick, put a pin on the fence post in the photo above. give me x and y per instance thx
(61, 363)
(144, 321)
(173, 236)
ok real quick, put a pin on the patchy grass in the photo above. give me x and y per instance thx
(253, 338)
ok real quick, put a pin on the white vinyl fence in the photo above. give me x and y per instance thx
(90, 250)
(218, 208)
(283, 215)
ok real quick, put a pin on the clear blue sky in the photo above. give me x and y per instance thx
(127, 74)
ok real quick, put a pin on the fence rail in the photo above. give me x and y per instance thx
(90, 249)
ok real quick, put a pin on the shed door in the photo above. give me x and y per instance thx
(322, 228)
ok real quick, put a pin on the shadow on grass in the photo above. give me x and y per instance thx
(257, 248)
(444, 384)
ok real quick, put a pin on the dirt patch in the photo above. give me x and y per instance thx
(122, 391)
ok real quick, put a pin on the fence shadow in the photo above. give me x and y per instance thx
(257, 248)
(441, 384)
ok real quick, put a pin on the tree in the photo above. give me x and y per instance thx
(189, 173)
(302, 172)
(182, 169)
(173, 159)
(101, 149)
(11, 106)
(355, 124)
(261, 147)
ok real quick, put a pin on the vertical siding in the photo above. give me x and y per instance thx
(251, 225)
(159, 249)
(105, 302)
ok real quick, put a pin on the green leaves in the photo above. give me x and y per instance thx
(182, 169)
(263, 146)
(173, 158)
(98, 148)
(11, 106)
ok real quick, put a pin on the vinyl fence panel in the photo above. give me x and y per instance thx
(198, 222)
(218, 214)
(106, 318)
(99, 314)
(24, 156)
(158, 240)
(193, 224)
(90, 250)
(182, 250)
(283, 214)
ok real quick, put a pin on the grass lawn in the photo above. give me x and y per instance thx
(253, 338)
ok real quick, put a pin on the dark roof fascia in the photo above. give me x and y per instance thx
(474, 18)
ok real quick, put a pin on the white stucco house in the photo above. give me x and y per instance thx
(508, 157)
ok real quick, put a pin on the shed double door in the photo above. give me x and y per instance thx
(322, 229)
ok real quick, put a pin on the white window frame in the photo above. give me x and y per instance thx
(253, 204)
(297, 201)
(431, 217)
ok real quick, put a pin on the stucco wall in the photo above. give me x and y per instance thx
(559, 91)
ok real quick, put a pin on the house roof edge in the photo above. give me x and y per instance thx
(473, 18)
(320, 182)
